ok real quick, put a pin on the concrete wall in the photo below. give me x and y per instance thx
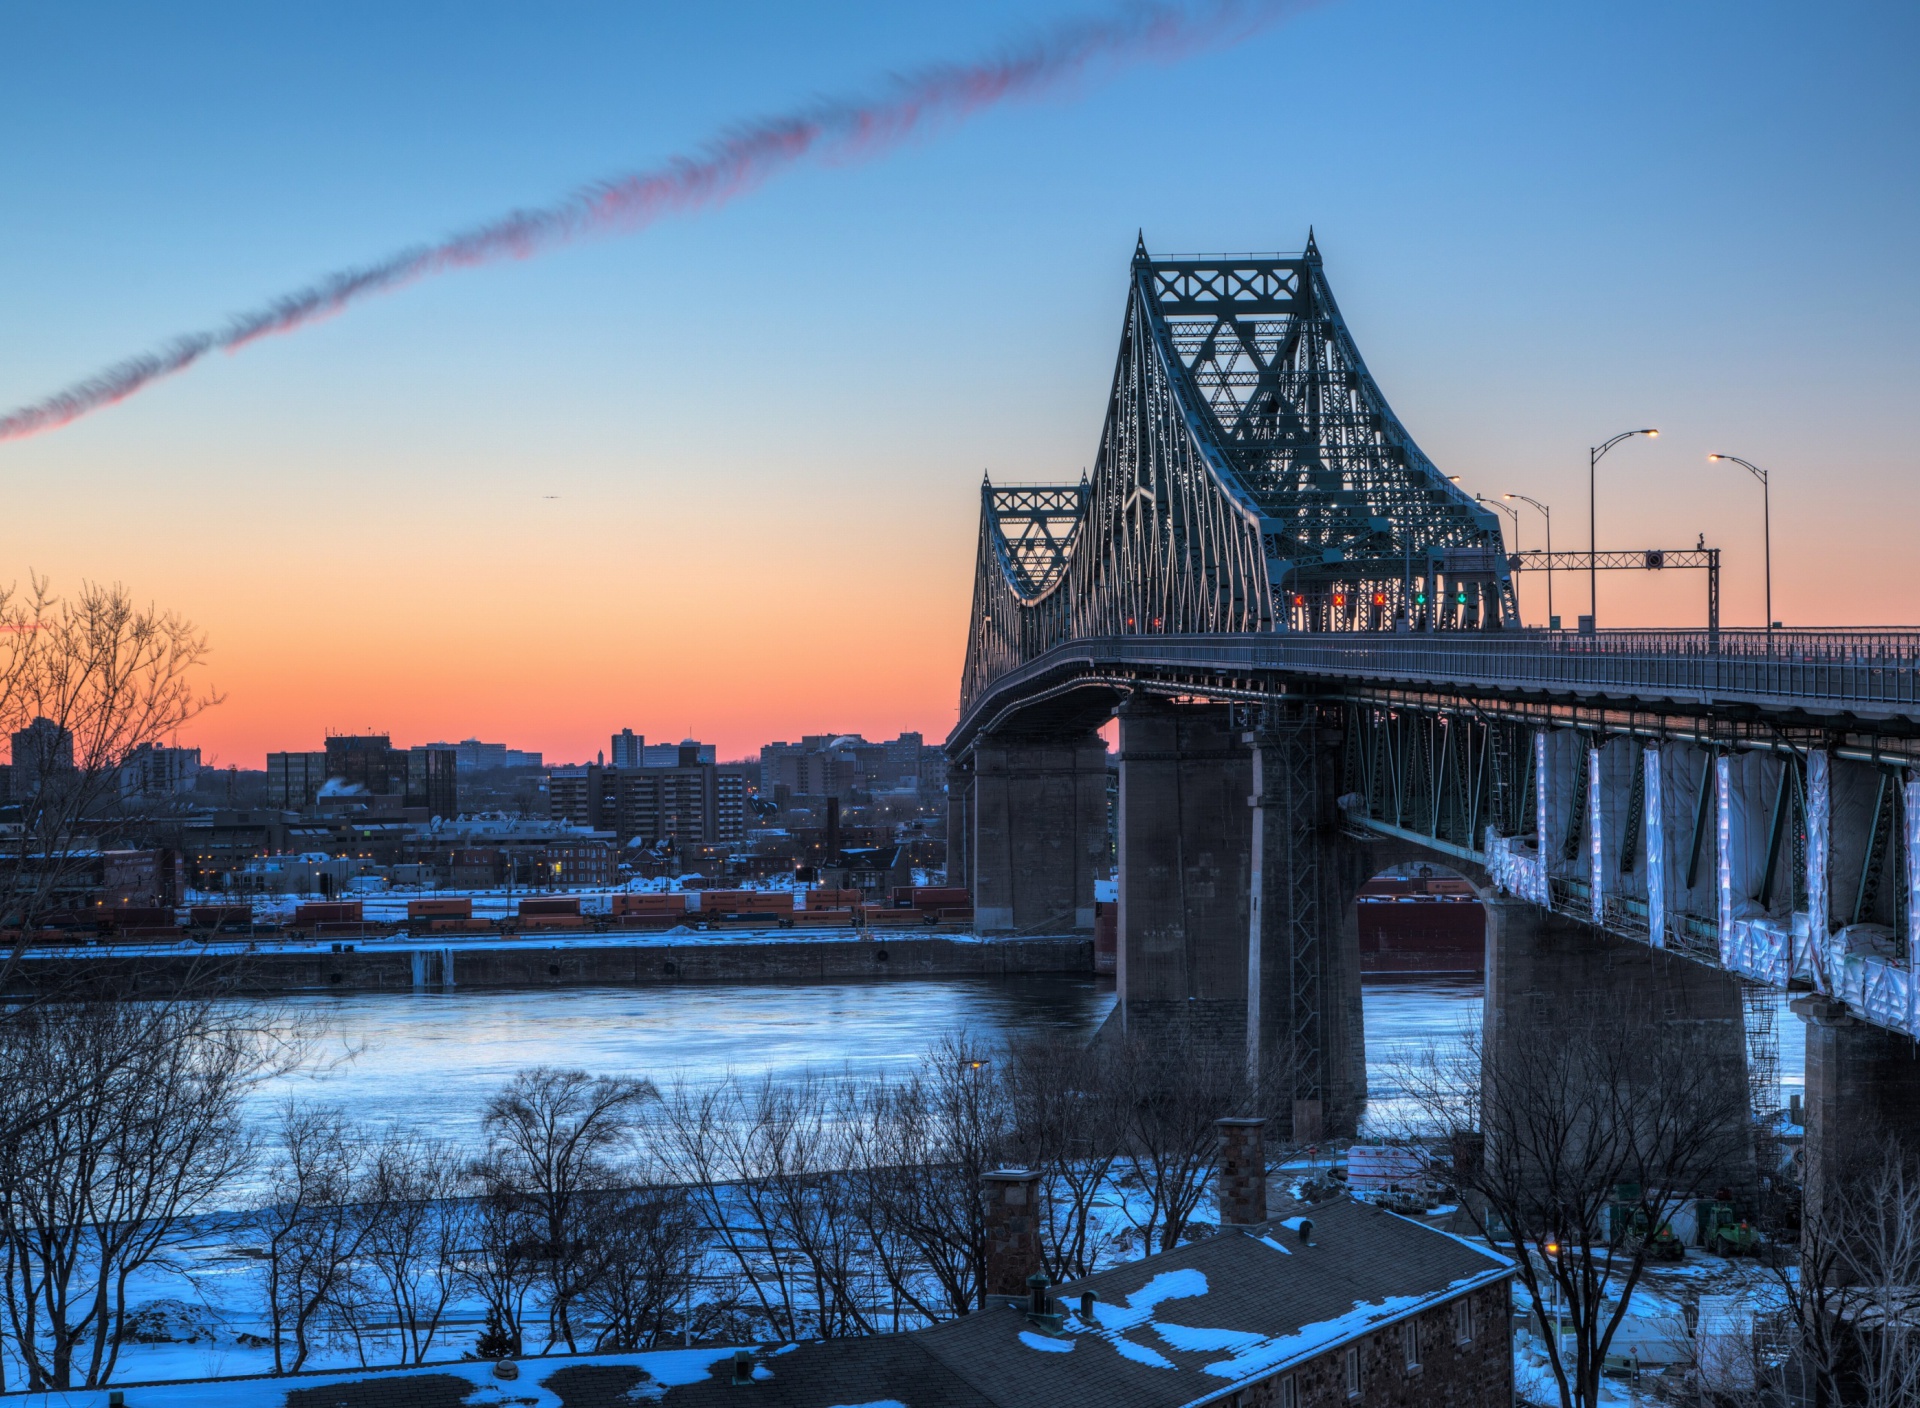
(560, 965)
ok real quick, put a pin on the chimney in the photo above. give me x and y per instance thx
(1241, 1179)
(1012, 1198)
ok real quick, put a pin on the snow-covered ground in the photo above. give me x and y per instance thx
(428, 1060)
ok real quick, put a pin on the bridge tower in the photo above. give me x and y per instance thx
(1251, 477)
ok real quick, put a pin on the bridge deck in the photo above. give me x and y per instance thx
(1864, 675)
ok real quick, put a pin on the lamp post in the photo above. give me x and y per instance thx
(1547, 514)
(1595, 454)
(1512, 513)
(1766, 525)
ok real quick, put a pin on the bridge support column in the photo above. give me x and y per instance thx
(1863, 1088)
(1548, 975)
(1039, 831)
(1231, 910)
(1303, 958)
(1184, 838)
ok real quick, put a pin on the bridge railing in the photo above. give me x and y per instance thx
(1837, 667)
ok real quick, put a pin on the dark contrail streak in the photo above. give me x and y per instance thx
(724, 169)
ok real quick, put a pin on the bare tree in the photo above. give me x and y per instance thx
(1848, 1281)
(931, 1138)
(705, 1129)
(310, 1231)
(1570, 1153)
(1172, 1089)
(768, 1167)
(1069, 1122)
(554, 1138)
(646, 1249)
(803, 1139)
(85, 681)
(121, 1121)
(502, 1268)
(419, 1224)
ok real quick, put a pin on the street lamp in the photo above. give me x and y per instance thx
(1512, 513)
(1594, 455)
(1546, 513)
(1766, 524)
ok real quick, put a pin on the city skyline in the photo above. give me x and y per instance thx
(695, 468)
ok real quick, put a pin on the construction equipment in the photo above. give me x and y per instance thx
(1723, 1233)
(1628, 1224)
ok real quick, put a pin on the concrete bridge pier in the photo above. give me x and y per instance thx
(1548, 975)
(1033, 812)
(1863, 1089)
(1184, 834)
(1233, 916)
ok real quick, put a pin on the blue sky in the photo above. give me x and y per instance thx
(765, 425)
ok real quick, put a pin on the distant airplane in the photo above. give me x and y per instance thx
(549, 496)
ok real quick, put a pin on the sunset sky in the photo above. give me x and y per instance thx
(722, 475)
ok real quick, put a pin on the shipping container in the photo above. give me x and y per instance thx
(551, 904)
(940, 897)
(654, 922)
(440, 909)
(823, 919)
(746, 902)
(552, 921)
(886, 916)
(327, 912)
(649, 904)
(832, 899)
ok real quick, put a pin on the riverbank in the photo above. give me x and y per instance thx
(403, 965)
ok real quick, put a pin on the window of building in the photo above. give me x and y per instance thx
(1410, 1342)
(1289, 1392)
(1353, 1371)
(1463, 1320)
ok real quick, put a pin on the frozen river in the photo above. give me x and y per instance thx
(431, 1059)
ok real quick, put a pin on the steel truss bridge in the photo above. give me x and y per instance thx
(1261, 542)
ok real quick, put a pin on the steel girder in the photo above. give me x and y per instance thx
(1250, 477)
(1444, 775)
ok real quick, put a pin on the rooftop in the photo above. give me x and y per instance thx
(1175, 1329)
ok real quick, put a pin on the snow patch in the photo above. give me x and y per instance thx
(1141, 1354)
(1283, 1250)
(1168, 1285)
(1045, 1343)
(1198, 1341)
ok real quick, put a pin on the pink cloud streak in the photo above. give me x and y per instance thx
(726, 168)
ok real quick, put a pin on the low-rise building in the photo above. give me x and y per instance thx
(1348, 1307)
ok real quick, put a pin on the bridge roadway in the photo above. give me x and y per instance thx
(1856, 681)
